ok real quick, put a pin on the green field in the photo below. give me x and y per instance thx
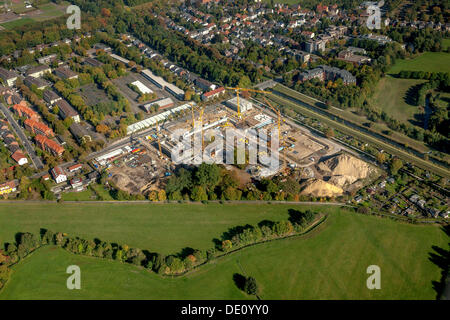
(43, 12)
(16, 23)
(329, 263)
(164, 228)
(391, 97)
(428, 61)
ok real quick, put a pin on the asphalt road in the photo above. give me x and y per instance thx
(25, 142)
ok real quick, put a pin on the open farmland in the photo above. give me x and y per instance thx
(328, 263)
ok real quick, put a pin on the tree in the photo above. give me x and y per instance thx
(199, 194)
(396, 165)
(250, 286)
(208, 175)
(380, 157)
(329, 133)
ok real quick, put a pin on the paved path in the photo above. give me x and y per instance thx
(37, 162)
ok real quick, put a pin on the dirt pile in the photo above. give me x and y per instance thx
(346, 165)
(320, 188)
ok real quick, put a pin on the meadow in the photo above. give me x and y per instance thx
(391, 96)
(328, 263)
(428, 61)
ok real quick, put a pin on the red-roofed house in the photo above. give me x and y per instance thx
(38, 128)
(75, 167)
(25, 111)
(19, 157)
(213, 93)
(49, 145)
(58, 174)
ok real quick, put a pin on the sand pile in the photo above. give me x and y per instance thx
(346, 165)
(342, 181)
(320, 188)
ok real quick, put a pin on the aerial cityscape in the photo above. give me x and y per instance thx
(224, 150)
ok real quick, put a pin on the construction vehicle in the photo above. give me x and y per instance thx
(237, 90)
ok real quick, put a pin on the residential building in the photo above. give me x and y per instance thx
(19, 157)
(49, 145)
(38, 71)
(205, 85)
(8, 187)
(38, 128)
(40, 83)
(58, 174)
(65, 73)
(75, 167)
(21, 111)
(51, 97)
(349, 56)
(213, 93)
(8, 77)
(66, 111)
(92, 62)
(80, 133)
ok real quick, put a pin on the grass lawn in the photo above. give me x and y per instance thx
(84, 195)
(428, 61)
(163, 228)
(391, 96)
(16, 23)
(445, 43)
(328, 264)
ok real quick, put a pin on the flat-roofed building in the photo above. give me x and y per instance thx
(142, 87)
(66, 111)
(156, 80)
(244, 104)
(161, 103)
(174, 90)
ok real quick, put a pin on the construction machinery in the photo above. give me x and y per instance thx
(237, 90)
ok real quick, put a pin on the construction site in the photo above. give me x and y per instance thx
(318, 163)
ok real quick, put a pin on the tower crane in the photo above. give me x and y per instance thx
(159, 140)
(278, 125)
(237, 90)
